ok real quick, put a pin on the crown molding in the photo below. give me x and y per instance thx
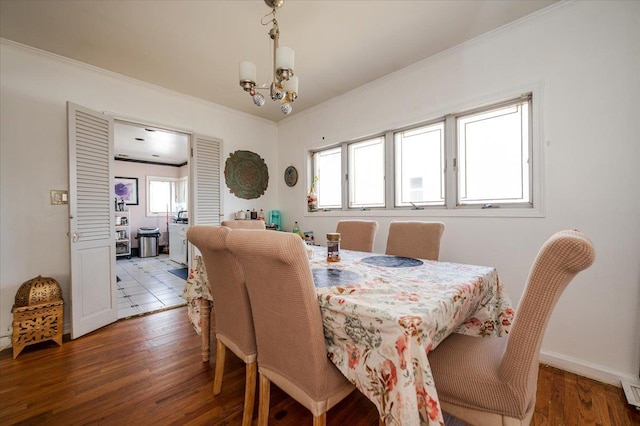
(33, 51)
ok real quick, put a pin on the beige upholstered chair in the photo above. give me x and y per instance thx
(234, 323)
(492, 381)
(415, 239)
(357, 235)
(288, 323)
(244, 224)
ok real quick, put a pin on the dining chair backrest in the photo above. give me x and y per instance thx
(415, 239)
(493, 380)
(357, 235)
(234, 321)
(286, 313)
(559, 260)
(244, 224)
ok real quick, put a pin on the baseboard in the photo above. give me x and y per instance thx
(586, 369)
(5, 343)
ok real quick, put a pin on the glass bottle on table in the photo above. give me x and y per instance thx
(296, 229)
(333, 247)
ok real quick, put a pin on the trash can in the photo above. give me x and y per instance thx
(148, 241)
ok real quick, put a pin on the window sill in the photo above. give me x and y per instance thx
(432, 212)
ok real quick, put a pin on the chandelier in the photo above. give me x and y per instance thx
(284, 86)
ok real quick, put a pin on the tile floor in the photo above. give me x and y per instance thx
(146, 285)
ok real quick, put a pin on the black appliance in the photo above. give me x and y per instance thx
(183, 217)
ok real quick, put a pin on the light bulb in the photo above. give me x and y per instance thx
(279, 94)
(286, 108)
(258, 99)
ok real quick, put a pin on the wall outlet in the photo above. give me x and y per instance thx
(59, 196)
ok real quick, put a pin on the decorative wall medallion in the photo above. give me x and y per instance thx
(291, 176)
(246, 174)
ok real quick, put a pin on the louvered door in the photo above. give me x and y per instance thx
(206, 181)
(91, 220)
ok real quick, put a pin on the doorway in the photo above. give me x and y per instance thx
(156, 160)
(95, 213)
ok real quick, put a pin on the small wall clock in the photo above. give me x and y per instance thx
(291, 176)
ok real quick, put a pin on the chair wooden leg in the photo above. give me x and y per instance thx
(217, 377)
(320, 420)
(205, 318)
(263, 406)
(249, 393)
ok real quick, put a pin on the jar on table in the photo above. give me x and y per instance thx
(333, 247)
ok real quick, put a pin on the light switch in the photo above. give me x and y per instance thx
(59, 196)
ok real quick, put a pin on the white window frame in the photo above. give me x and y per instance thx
(319, 184)
(458, 160)
(451, 208)
(174, 182)
(396, 148)
(351, 172)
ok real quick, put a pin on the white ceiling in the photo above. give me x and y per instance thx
(194, 47)
(150, 144)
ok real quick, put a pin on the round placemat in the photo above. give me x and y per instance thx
(392, 261)
(329, 277)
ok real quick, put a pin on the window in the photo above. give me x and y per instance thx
(366, 173)
(493, 155)
(165, 195)
(477, 158)
(419, 160)
(328, 164)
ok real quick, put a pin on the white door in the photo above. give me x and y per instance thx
(205, 181)
(91, 220)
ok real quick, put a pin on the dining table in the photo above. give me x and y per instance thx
(382, 315)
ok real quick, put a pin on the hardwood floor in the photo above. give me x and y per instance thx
(148, 370)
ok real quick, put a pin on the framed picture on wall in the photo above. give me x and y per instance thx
(291, 176)
(126, 189)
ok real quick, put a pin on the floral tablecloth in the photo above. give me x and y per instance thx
(196, 292)
(383, 314)
(380, 327)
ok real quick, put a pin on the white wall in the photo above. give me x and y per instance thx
(586, 58)
(35, 87)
